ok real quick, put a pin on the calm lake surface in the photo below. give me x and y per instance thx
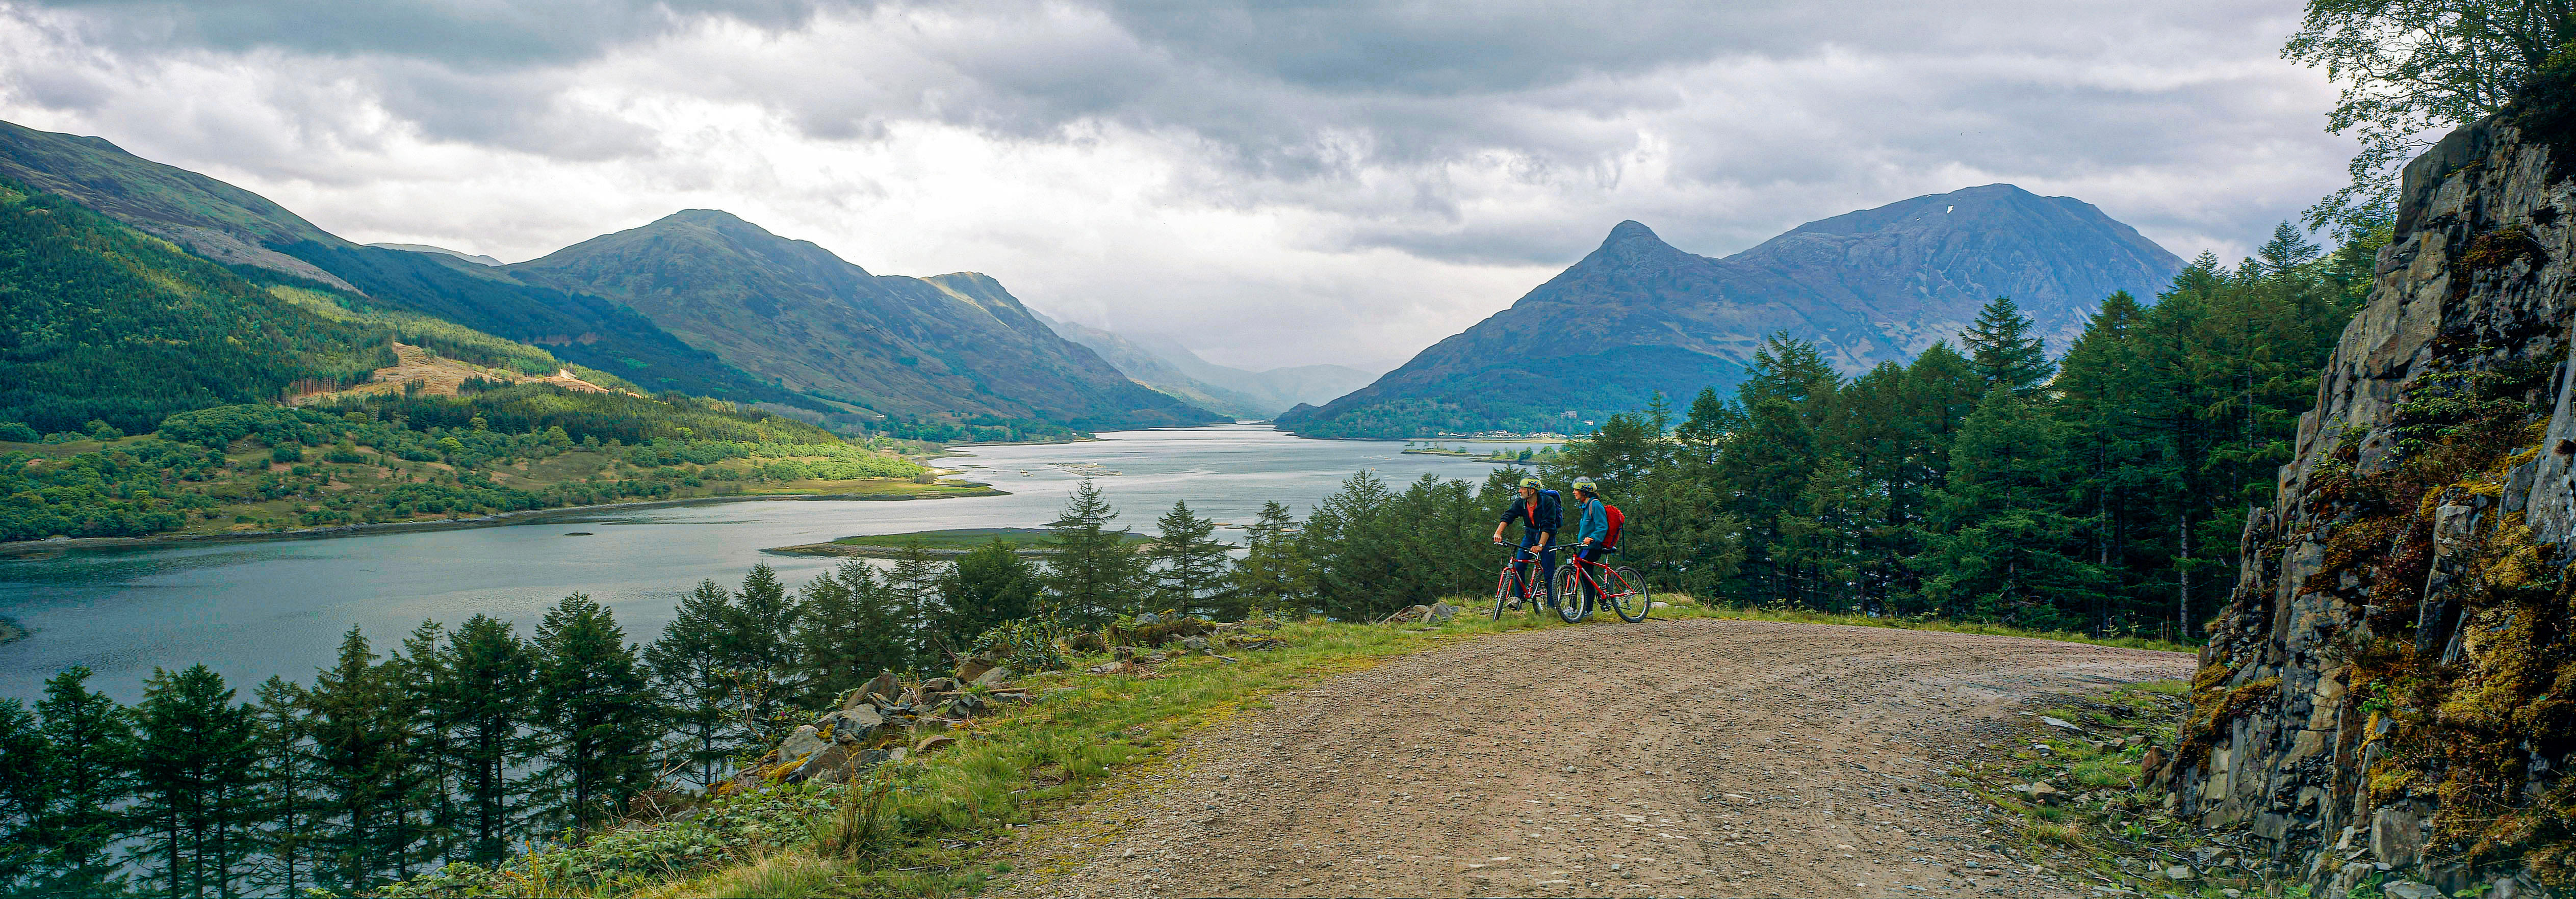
(253, 609)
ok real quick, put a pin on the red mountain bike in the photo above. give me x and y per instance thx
(1512, 590)
(1619, 588)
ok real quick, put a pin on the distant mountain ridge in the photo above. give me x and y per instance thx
(1638, 317)
(1172, 368)
(978, 359)
(476, 258)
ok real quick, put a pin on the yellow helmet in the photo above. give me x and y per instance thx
(1586, 485)
(1531, 483)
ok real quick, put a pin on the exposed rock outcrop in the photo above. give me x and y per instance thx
(2389, 695)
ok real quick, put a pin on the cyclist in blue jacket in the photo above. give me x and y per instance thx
(1540, 515)
(1592, 525)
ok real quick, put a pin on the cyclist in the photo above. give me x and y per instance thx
(1592, 526)
(1540, 514)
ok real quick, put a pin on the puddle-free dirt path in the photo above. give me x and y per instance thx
(1696, 757)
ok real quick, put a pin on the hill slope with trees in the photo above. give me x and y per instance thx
(1638, 316)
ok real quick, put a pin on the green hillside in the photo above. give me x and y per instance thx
(954, 347)
(101, 322)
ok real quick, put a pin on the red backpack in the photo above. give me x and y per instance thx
(1616, 522)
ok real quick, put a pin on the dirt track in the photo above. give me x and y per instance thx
(1698, 757)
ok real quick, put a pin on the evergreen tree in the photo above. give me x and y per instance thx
(364, 774)
(2007, 550)
(2001, 347)
(1092, 574)
(284, 776)
(695, 677)
(89, 773)
(194, 775)
(989, 585)
(429, 820)
(1274, 572)
(595, 710)
(24, 756)
(912, 594)
(760, 649)
(1190, 563)
(484, 699)
(851, 630)
(1354, 555)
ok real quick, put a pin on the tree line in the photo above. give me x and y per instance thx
(2103, 492)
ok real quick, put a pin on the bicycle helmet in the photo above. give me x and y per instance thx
(1586, 485)
(1531, 483)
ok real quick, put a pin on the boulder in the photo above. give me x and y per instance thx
(972, 667)
(805, 741)
(880, 689)
(2409, 889)
(1441, 612)
(941, 685)
(835, 760)
(992, 677)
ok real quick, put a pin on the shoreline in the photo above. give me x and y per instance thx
(38, 548)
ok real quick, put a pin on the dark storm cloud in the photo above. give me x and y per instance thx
(507, 34)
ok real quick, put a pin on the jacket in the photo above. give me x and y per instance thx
(1593, 525)
(1550, 515)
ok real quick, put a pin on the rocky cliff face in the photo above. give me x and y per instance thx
(2390, 695)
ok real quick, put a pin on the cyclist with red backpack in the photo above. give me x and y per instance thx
(1597, 524)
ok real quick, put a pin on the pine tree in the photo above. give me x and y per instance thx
(696, 678)
(912, 591)
(89, 773)
(285, 775)
(1190, 563)
(989, 585)
(24, 756)
(1355, 554)
(2008, 550)
(760, 649)
(194, 778)
(484, 700)
(429, 820)
(364, 773)
(2001, 347)
(1092, 574)
(595, 710)
(1274, 573)
(850, 631)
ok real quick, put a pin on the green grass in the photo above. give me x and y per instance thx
(962, 538)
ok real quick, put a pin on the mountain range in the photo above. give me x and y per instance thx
(1638, 317)
(699, 302)
(1166, 365)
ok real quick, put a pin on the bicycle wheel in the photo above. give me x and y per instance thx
(1570, 603)
(1628, 595)
(1506, 590)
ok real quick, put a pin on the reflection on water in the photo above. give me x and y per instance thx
(250, 610)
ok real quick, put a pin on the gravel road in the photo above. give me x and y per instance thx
(1697, 757)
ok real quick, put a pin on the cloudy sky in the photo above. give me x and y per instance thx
(1272, 183)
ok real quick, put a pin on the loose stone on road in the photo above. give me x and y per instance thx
(1694, 757)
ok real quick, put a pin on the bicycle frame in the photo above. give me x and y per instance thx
(1525, 555)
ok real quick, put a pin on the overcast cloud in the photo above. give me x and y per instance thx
(1272, 184)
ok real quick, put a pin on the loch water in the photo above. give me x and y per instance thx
(281, 607)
